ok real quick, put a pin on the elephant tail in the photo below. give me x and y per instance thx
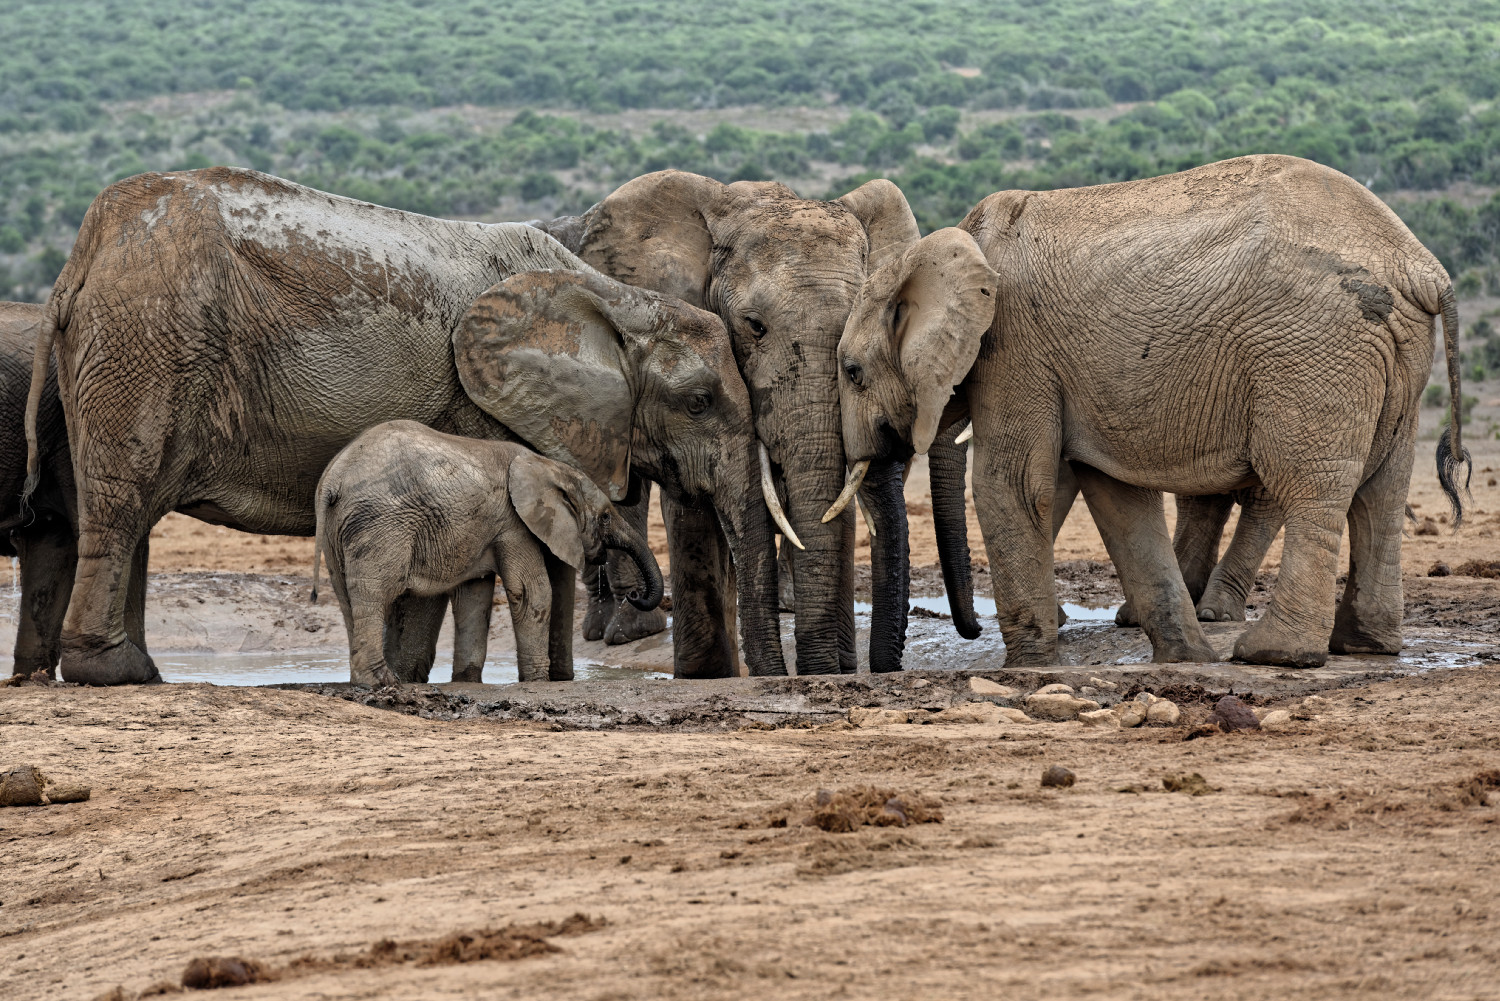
(1450, 447)
(59, 304)
(317, 566)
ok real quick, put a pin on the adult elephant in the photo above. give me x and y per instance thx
(41, 534)
(1260, 322)
(783, 273)
(220, 334)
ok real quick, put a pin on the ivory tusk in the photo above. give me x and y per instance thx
(768, 490)
(869, 525)
(851, 487)
(964, 435)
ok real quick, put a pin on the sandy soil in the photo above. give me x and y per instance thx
(1347, 858)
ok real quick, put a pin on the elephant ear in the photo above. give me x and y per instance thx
(544, 353)
(543, 495)
(940, 297)
(887, 218)
(652, 232)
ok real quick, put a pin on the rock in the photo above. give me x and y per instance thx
(1276, 719)
(1232, 713)
(1428, 527)
(1102, 685)
(1316, 704)
(1131, 713)
(1059, 777)
(984, 686)
(22, 786)
(1193, 784)
(1054, 689)
(1104, 719)
(1163, 712)
(1146, 698)
(69, 793)
(1014, 715)
(1057, 706)
(862, 717)
(920, 683)
(978, 712)
(207, 972)
(1088, 690)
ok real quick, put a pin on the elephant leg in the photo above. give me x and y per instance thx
(366, 607)
(786, 586)
(1133, 524)
(411, 634)
(101, 635)
(561, 578)
(473, 602)
(703, 636)
(48, 557)
(528, 589)
(1369, 615)
(1064, 493)
(629, 623)
(601, 606)
(135, 593)
(1200, 530)
(1229, 584)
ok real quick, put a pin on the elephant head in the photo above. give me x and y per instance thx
(911, 338)
(782, 272)
(604, 376)
(572, 517)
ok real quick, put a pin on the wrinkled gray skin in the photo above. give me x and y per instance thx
(42, 536)
(220, 335)
(782, 272)
(404, 509)
(1262, 322)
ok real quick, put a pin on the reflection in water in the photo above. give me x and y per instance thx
(986, 606)
(316, 666)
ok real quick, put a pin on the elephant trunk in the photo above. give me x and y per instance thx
(947, 463)
(823, 570)
(626, 539)
(885, 502)
(746, 524)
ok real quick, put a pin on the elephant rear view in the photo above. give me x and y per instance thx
(404, 509)
(1261, 322)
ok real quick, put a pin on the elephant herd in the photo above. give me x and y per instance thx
(446, 402)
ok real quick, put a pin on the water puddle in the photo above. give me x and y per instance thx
(986, 607)
(316, 666)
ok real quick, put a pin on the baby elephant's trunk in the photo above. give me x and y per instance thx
(627, 540)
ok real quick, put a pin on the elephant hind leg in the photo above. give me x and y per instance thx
(48, 556)
(1196, 540)
(103, 640)
(1368, 619)
(412, 624)
(1133, 524)
(1228, 587)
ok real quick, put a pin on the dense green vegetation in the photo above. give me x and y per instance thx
(952, 99)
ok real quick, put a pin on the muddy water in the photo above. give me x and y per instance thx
(289, 667)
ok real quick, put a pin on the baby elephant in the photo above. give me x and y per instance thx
(406, 510)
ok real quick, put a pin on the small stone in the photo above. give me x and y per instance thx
(1059, 777)
(1146, 698)
(1131, 714)
(1088, 690)
(1193, 784)
(1057, 706)
(1014, 715)
(984, 686)
(1428, 527)
(1054, 689)
(69, 793)
(1106, 686)
(1440, 569)
(1276, 719)
(1232, 713)
(22, 786)
(1316, 704)
(968, 712)
(1163, 712)
(920, 683)
(862, 717)
(1104, 719)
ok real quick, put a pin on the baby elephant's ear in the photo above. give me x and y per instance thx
(546, 496)
(944, 294)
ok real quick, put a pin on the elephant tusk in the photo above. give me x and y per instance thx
(869, 525)
(964, 435)
(851, 487)
(768, 490)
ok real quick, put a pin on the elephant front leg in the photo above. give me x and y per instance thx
(563, 580)
(48, 556)
(1228, 588)
(1133, 524)
(528, 589)
(703, 620)
(628, 623)
(473, 602)
(1017, 527)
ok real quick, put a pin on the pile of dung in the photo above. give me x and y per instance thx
(840, 812)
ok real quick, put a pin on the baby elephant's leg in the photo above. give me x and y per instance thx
(472, 603)
(365, 605)
(523, 571)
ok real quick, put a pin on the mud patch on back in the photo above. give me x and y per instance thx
(1375, 301)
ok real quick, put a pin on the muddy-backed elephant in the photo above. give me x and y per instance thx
(406, 509)
(41, 534)
(221, 334)
(1263, 321)
(782, 272)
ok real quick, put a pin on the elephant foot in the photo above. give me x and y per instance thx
(630, 624)
(1352, 639)
(1219, 606)
(1124, 616)
(596, 618)
(469, 674)
(121, 664)
(1268, 642)
(1184, 651)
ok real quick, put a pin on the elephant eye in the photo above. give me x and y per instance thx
(698, 403)
(855, 372)
(756, 327)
